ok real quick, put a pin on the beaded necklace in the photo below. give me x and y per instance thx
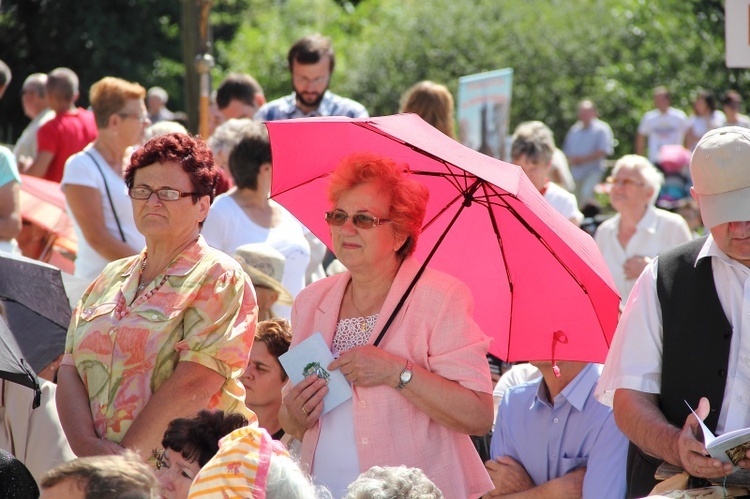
(142, 284)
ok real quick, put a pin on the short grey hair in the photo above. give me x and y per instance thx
(36, 82)
(161, 128)
(63, 82)
(158, 92)
(107, 477)
(393, 481)
(287, 481)
(534, 140)
(228, 134)
(651, 175)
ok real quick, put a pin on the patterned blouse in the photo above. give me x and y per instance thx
(201, 309)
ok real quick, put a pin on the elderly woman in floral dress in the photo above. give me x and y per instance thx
(164, 333)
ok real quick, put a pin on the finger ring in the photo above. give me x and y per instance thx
(304, 410)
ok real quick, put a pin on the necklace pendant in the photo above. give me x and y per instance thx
(363, 324)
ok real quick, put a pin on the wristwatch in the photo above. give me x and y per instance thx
(405, 376)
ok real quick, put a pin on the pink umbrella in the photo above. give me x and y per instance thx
(540, 284)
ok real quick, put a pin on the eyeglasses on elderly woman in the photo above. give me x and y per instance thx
(624, 182)
(143, 193)
(338, 218)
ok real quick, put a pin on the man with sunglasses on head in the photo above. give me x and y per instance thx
(72, 128)
(311, 62)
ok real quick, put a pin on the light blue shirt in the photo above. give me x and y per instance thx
(332, 105)
(550, 441)
(8, 167)
(581, 141)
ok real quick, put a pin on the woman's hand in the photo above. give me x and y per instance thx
(369, 366)
(109, 447)
(304, 405)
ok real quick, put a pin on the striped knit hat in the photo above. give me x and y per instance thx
(240, 468)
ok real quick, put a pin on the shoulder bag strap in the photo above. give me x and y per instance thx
(109, 196)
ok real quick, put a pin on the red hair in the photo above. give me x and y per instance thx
(408, 197)
(191, 153)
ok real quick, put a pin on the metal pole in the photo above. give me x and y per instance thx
(203, 64)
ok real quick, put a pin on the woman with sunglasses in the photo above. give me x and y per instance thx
(93, 184)
(639, 230)
(165, 333)
(418, 394)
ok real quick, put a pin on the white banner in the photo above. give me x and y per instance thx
(737, 28)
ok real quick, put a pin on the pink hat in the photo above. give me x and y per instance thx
(240, 467)
(720, 171)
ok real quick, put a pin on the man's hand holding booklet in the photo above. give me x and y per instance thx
(730, 447)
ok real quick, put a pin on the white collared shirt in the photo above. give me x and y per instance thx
(635, 357)
(656, 231)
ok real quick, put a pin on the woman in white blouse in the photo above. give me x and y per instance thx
(245, 214)
(639, 230)
(95, 192)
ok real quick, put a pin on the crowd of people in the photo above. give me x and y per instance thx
(197, 284)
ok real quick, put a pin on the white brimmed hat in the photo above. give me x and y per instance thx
(265, 266)
(720, 169)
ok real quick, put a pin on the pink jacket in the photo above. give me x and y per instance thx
(434, 329)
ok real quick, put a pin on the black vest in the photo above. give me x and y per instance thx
(695, 354)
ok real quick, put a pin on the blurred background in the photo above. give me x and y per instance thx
(611, 51)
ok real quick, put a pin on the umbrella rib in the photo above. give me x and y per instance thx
(372, 128)
(443, 210)
(453, 178)
(468, 196)
(496, 229)
(313, 179)
(547, 246)
(499, 196)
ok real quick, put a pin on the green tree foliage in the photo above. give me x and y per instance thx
(612, 51)
(131, 39)
(139, 40)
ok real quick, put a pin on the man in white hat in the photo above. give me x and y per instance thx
(265, 266)
(685, 333)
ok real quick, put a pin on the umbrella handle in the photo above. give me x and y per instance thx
(557, 337)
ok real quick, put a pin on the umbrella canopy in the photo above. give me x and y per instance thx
(37, 308)
(43, 203)
(540, 284)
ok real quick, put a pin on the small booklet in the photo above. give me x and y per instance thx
(313, 356)
(729, 447)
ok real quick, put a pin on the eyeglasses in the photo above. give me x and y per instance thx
(624, 182)
(143, 193)
(142, 118)
(337, 218)
(304, 80)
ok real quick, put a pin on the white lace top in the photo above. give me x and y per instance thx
(353, 332)
(336, 462)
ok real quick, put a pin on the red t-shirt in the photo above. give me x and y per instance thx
(63, 136)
